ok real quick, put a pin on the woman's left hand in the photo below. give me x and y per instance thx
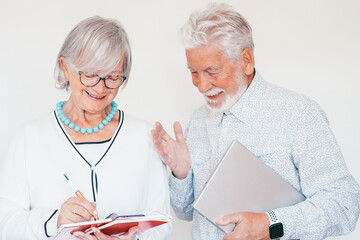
(98, 235)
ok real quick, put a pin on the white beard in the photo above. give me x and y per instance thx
(230, 100)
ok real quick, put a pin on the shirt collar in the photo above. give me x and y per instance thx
(245, 109)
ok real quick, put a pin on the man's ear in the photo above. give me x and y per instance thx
(247, 62)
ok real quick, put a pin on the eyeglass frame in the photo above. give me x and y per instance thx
(100, 78)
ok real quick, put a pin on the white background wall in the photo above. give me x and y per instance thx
(312, 47)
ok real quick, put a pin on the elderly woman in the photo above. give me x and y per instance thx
(108, 154)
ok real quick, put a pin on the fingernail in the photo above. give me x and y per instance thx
(220, 221)
(77, 234)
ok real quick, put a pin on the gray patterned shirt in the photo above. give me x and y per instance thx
(291, 134)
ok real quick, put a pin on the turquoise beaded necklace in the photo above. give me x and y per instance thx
(72, 125)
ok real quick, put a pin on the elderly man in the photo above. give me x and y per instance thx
(287, 131)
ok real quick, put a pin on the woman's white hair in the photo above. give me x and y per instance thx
(220, 26)
(94, 45)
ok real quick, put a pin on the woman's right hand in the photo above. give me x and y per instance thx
(76, 209)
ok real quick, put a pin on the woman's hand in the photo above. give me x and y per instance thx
(76, 209)
(130, 235)
(173, 152)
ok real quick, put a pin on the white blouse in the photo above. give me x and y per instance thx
(123, 175)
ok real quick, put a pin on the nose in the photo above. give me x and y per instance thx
(100, 87)
(202, 83)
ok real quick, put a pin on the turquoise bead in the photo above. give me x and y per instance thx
(72, 125)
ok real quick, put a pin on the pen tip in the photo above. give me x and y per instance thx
(65, 175)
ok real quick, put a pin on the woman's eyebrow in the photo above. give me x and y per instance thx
(116, 71)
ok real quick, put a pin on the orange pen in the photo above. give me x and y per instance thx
(77, 191)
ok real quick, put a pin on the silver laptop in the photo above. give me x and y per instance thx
(243, 183)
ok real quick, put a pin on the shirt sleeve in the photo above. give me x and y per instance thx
(182, 196)
(333, 195)
(157, 197)
(17, 219)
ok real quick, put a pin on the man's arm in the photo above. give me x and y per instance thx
(333, 196)
(175, 154)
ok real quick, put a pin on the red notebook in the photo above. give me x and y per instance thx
(113, 225)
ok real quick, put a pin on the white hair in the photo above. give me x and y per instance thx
(218, 25)
(230, 99)
(94, 45)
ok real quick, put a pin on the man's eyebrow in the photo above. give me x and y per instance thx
(212, 69)
(207, 69)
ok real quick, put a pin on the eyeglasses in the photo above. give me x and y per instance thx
(92, 79)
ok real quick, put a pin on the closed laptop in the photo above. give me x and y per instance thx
(243, 183)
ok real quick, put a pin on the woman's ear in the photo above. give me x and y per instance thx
(247, 62)
(64, 68)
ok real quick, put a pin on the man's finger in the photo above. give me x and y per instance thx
(232, 218)
(155, 138)
(161, 132)
(231, 236)
(178, 132)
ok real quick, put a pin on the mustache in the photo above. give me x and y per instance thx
(214, 91)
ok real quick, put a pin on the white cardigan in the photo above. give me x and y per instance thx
(130, 178)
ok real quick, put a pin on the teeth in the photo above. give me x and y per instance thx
(94, 96)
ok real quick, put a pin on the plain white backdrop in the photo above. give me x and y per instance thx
(311, 47)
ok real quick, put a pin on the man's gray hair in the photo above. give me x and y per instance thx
(218, 25)
(95, 44)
